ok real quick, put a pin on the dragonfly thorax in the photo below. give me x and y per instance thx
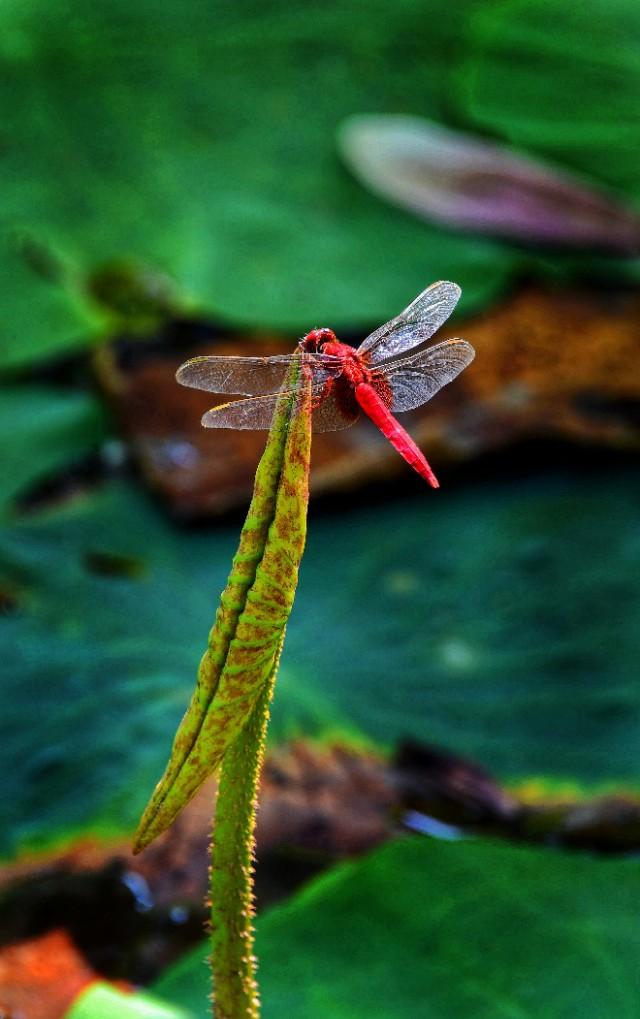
(348, 363)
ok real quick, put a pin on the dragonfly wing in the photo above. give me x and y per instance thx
(335, 410)
(329, 415)
(415, 325)
(255, 414)
(249, 376)
(416, 379)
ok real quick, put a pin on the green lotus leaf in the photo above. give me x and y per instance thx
(499, 621)
(471, 929)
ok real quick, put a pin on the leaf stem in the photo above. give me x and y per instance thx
(226, 722)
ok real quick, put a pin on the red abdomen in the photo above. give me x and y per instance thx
(376, 408)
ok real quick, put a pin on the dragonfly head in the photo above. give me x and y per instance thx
(314, 341)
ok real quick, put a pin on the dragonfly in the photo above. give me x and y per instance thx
(374, 378)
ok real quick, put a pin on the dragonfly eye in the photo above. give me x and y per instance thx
(316, 339)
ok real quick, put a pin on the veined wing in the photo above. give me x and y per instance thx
(414, 325)
(416, 379)
(330, 413)
(257, 413)
(251, 376)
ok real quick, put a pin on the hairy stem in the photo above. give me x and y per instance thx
(231, 880)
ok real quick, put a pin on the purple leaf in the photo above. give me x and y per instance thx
(465, 182)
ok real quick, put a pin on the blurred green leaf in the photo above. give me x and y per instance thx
(42, 316)
(43, 430)
(500, 622)
(102, 1001)
(558, 79)
(199, 140)
(97, 665)
(468, 929)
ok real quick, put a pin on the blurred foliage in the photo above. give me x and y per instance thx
(558, 79)
(198, 140)
(499, 624)
(471, 929)
(44, 429)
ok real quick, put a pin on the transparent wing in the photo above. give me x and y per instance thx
(333, 412)
(414, 325)
(250, 376)
(416, 379)
(256, 414)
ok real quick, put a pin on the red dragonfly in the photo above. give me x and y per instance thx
(345, 380)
